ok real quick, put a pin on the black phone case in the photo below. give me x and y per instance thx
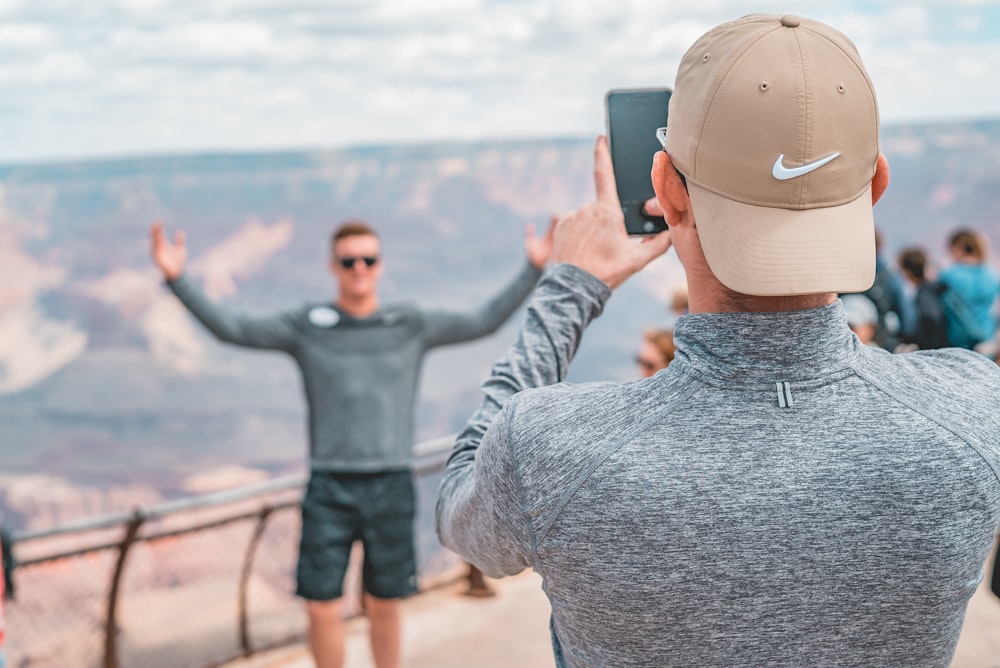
(632, 193)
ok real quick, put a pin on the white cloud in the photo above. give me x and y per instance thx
(969, 23)
(135, 76)
(15, 37)
(141, 5)
(407, 11)
(922, 79)
(52, 69)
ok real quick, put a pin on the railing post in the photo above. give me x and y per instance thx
(244, 623)
(111, 629)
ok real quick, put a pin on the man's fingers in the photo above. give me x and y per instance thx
(159, 237)
(604, 173)
(652, 207)
(156, 234)
(529, 231)
(655, 246)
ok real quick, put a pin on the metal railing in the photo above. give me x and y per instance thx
(194, 582)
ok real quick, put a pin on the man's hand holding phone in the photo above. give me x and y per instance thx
(594, 237)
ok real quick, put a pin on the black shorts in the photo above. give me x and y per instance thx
(377, 509)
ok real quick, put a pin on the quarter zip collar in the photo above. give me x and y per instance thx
(749, 348)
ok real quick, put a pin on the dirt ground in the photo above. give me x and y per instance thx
(445, 629)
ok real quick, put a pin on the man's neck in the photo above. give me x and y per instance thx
(708, 295)
(735, 302)
(358, 307)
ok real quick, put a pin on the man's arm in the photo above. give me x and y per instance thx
(480, 510)
(480, 513)
(444, 327)
(276, 332)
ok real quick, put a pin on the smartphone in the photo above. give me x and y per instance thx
(633, 115)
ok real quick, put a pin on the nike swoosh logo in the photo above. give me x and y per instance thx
(782, 173)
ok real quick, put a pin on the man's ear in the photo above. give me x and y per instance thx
(881, 179)
(671, 194)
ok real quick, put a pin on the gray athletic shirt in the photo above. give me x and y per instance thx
(780, 495)
(359, 375)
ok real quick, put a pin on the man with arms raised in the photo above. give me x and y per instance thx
(780, 494)
(360, 363)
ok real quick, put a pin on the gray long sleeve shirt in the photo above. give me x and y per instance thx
(359, 375)
(780, 495)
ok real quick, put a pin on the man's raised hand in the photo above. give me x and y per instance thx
(593, 237)
(169, 257)
(539, 249)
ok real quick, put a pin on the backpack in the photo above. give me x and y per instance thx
(964, 330)
(885, 294)
(930, 325)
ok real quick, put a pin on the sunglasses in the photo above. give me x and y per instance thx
(661, 136)
(348, 262)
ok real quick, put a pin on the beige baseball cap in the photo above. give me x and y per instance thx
(774, 124)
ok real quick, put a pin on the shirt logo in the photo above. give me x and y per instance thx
(782, 173)
(324, 316)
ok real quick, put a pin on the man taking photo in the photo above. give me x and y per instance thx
(779, 495)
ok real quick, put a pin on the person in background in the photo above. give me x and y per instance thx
(862, 317)
(478, 586)
(780, 495)
(930, 327)
(4, 591)
(991, 348)
(360, 362)
(678, 305)
(889, 298)
(972, 289)
(655, 352)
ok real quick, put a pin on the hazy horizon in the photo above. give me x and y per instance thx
(250, 152)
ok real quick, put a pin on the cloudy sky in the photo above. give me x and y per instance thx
(97, 78)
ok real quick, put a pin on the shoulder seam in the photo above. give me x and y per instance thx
(522, 497)
(570, 491)
(871, 379)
